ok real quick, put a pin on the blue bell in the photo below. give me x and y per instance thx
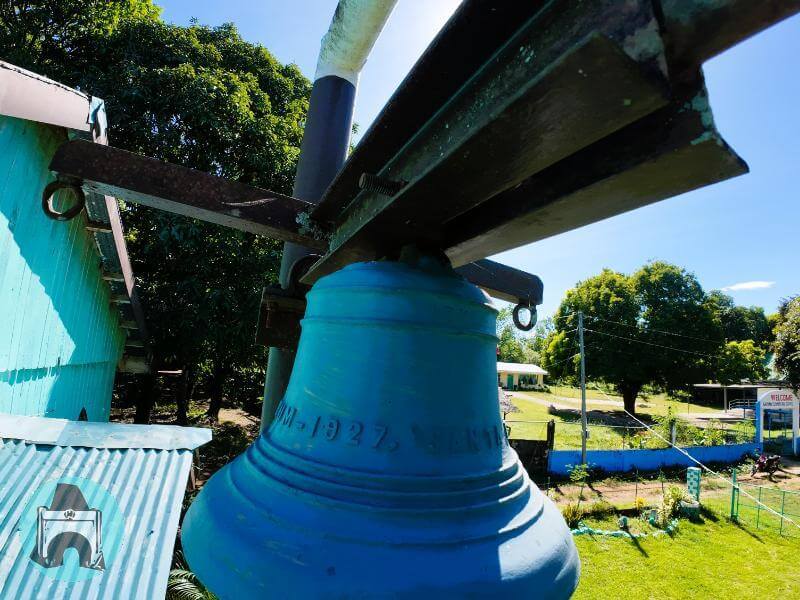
(386, 472)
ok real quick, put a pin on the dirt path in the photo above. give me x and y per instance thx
(238, 417)
(623, 493)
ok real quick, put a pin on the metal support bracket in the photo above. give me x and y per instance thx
(279, 318)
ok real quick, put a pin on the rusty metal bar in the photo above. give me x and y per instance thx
(114, 172)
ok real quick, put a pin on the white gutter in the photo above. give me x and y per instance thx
(355, 26)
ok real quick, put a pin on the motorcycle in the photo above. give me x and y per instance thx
(766, 463)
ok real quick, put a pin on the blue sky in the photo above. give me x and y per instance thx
(743, 231)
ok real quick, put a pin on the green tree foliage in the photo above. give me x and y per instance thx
(609, 304)
(512, 347)
(676, 314)
(653, 327)
(739, 361)
(204, 98)
(43, 35)
(787, 340)
(741, 323)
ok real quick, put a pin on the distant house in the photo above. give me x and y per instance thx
(517, 376)
(69, 314)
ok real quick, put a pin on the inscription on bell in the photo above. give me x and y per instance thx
(372, 436)
(458, 440)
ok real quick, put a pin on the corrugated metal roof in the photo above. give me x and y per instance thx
(129, 501)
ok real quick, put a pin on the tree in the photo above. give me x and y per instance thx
(741, 323)
(677, 316)
(197, 96)
(654, 326)
(787, 340)
(512, 347)
(611, 314)
(42, 35)
(741, 361)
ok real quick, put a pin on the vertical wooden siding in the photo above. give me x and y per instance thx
(59, 336)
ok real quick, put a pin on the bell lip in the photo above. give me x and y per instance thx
(545, 561)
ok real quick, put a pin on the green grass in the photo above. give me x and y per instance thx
(710, 559)
(647, 404)
(568, 430)
(529, 422)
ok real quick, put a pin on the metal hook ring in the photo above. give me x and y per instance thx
(515, 315)
(72, 211)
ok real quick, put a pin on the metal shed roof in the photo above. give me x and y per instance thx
(130, 481)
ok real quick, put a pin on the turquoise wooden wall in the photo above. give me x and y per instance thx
(59, 336)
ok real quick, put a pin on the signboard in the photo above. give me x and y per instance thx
(779, 399)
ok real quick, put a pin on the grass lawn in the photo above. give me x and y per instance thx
(646, 404)
(710, 559)
(529, 422)
(568, 429)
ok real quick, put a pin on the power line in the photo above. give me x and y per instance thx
(627, 351)
(553, 364)
(691, 337)
(621, 337)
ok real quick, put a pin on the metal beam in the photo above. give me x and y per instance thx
(172, 188)
(504, 282)
(494, 134)
(698, 30)
(672, 151)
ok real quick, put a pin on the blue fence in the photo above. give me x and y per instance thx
(648, 460)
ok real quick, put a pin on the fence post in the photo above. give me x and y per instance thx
(673, 433)
(733, 496)
(758, 509)
(693, 482)
(551, 434)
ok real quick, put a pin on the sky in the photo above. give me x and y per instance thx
(741, 235)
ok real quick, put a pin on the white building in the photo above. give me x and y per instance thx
(515, 376)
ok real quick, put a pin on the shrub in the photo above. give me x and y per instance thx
(578, 473)
(600, 508)
(573, 513)
(670, 504)
(640, 504)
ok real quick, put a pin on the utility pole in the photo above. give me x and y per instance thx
(584, 424)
